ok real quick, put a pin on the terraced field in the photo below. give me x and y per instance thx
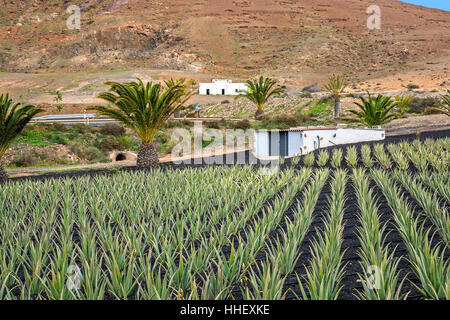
(360, 223)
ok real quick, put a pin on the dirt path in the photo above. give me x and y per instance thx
(397, 127)
(25, 172)
(412, 125)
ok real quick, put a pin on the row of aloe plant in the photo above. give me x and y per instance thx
(431, 153)
(427, 260)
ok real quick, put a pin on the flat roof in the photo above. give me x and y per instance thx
(300, 129)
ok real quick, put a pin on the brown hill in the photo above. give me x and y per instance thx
(300, 41)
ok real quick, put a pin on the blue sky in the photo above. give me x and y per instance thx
(439, 4)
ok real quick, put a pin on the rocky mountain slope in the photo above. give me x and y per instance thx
(298, 40)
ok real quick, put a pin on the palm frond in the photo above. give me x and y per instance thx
(260, 91)
(336, 86)
(143, 107)
(13, 118)
(375, 111)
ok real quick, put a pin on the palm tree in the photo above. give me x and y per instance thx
(13, 118)
(444, 107)
(188, 86)
(259, 92)
(143, 108)
(375, 111)
(402, 102)
(336, 86)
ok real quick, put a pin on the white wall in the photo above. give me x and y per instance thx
(308, 140)
(262, 143)
(216, 87)
(330, 138)
(295, 143)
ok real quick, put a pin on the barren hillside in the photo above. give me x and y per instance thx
(232, 37)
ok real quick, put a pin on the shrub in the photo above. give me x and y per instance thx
(26, 158)
(418, 105)
(56, 138)
(112, 129)
(59, 127)
(412, 86)
(95, 155)
(82, 128)
(215, 124)
(242, 124)
(430, 110)
(108, 144)
(306, 95)
(282, 122)
(126, 142)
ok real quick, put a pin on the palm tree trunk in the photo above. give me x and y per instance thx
(259, 113)
(337, 108)
(147, 156)
(3, 175)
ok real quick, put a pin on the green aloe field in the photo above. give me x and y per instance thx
(355, 223)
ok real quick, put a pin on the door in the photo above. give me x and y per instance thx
(284, 144)
(279, 144)
(223, 92)
(207, 92)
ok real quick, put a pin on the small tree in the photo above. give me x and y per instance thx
(444, 107)
(336, 86)
(402, 102)
(375, 111)
(13, 118)
(259, 92)
(143, 108)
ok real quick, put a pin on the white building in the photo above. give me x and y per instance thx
(222, 87)
(300, 141)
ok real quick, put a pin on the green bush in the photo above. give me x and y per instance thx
(242, 124)
(25, 159)
(112, 129)
(95, 155)
(108, 144)
(58, 127)
(56, 138)
(281, 122)
(412, 86)
(126, 142)
(82, 128)
(418, 105)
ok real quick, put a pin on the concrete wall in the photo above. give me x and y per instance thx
(328, 138)
(262, 143)
(295, 143)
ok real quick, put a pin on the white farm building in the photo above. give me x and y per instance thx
(222, 87)
(300, 141)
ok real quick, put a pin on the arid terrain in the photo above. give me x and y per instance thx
(297, 42)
